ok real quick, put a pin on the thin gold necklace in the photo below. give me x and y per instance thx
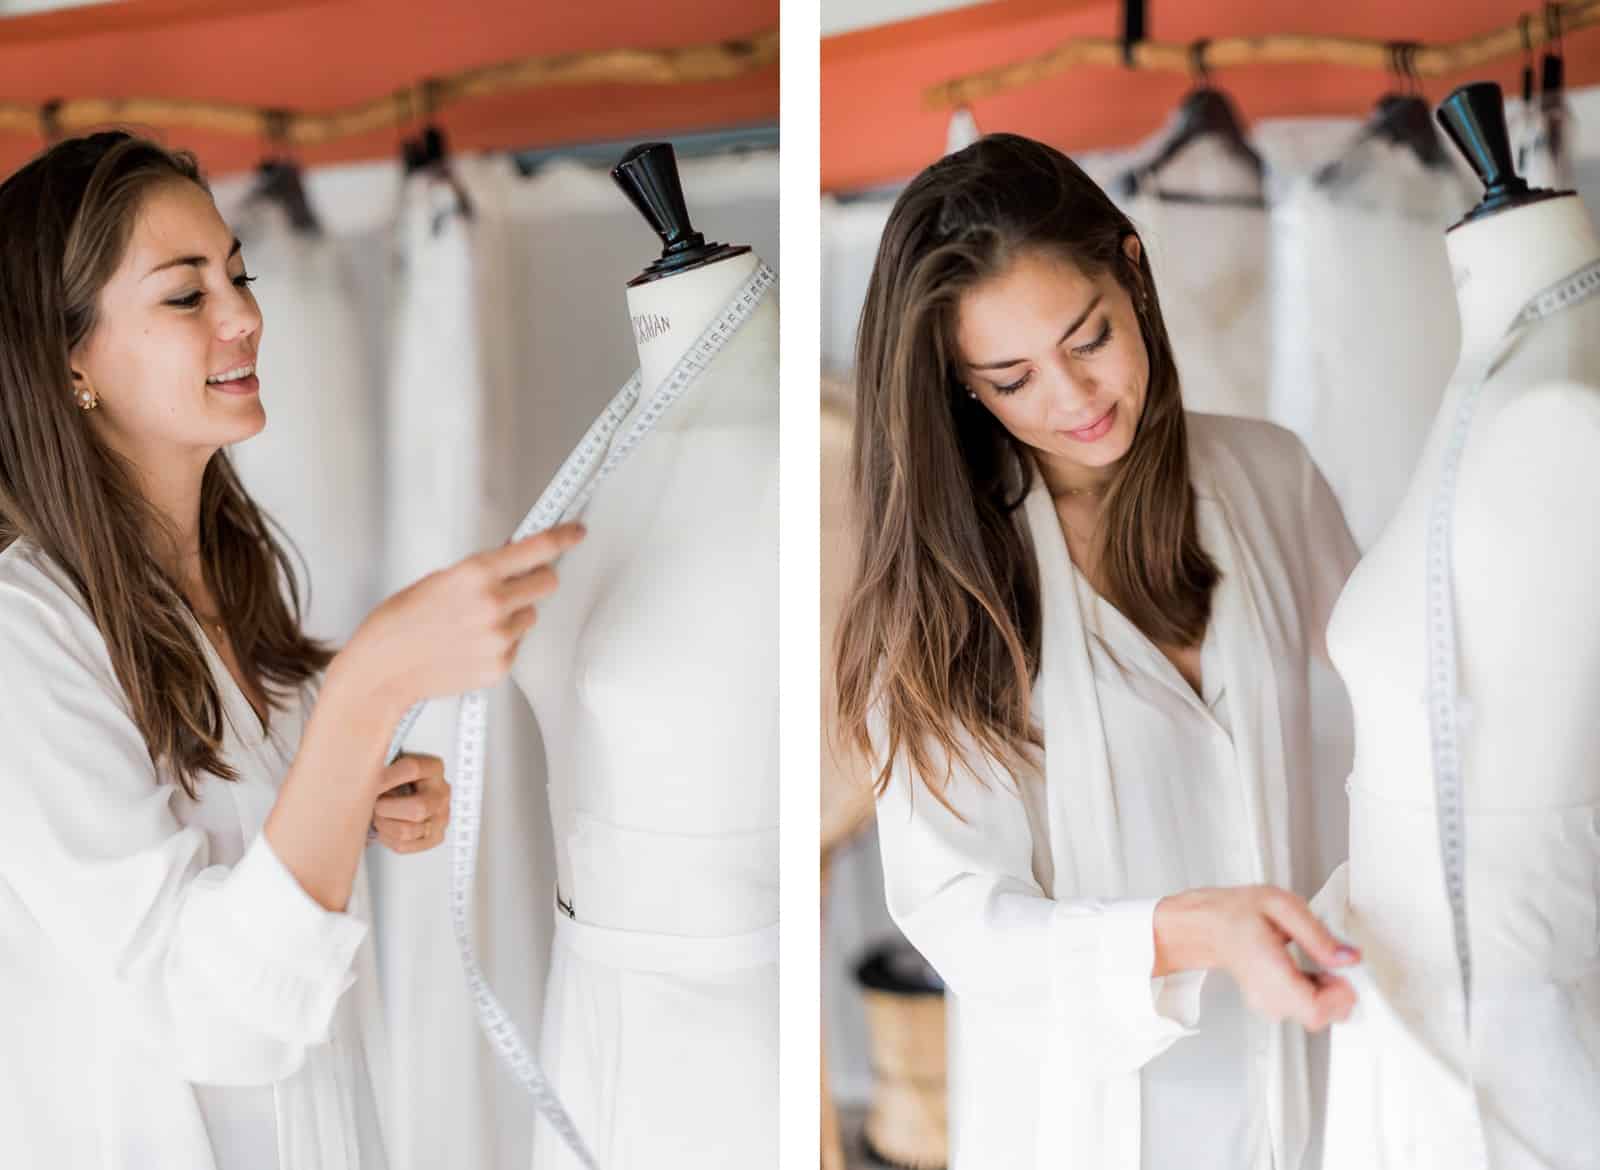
(215, 623)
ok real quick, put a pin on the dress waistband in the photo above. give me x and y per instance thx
(637, 950)
(674, 884)
(1532, 887)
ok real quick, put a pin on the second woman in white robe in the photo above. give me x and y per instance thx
(1038, 911)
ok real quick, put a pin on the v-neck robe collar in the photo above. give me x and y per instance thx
(1081, 805)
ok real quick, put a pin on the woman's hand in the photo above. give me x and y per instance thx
(1246, 931)
(457, 629)
(414, 809)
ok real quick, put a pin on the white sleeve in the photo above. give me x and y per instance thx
(963, 891)
(230, 972)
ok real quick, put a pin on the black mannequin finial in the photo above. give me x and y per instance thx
(648, 176)
(1474, 117)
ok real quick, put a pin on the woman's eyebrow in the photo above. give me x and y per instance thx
(1070, 330)
(197, 261)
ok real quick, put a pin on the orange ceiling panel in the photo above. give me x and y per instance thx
(875, 128)
(315, 55)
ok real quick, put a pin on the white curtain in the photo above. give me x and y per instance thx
(423, 374)
(1322, 310)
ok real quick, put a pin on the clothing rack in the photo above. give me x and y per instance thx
(1230, 52)
(707, 62)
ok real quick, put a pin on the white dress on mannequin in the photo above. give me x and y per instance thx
(653, 673)
(1524, 559)
(314, 467)
(1364, 328)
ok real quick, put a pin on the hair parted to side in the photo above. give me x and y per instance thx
(67, 218)
(942, 628)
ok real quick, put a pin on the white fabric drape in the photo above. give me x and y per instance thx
(1365, 331)
(483, 349)
(320, 402)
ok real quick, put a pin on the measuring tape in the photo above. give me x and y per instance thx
(564, 499)
(1444, 698)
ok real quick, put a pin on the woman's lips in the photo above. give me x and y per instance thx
(1095, 430)
(239, 386)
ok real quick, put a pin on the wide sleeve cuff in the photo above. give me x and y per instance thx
(317, 941)
(1152, 1010)
(286, 959)
(1177, 996)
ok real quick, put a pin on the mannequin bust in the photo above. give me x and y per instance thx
(653, 674)
(1526, 559)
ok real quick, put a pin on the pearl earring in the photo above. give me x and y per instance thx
(972, 394)
(87, 399)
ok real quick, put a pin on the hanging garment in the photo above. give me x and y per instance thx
(446, 444)
(653, 674)
(1036, 909)
(1364, 326)
(314, 467)
(177, 998)
(1210, 264)
(1543, 135)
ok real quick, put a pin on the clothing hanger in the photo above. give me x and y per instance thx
(279, 178)
(429, 151)
(1402, 118)
(1552, 81)
(1206, 112)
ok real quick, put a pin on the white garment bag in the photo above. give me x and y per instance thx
(1210, 262)
(314, 468)
(1364, 327)
(446, 426)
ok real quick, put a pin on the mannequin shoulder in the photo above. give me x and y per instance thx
(1540, 448)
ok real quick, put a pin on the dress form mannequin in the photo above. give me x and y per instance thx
(653, 674)
(1526, 557)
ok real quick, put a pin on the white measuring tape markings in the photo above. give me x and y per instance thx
(1443, 684)
(564, 499)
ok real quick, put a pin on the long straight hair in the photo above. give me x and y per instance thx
(68, 216)
(942, 628)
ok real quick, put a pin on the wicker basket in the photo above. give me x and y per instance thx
(907, 1123)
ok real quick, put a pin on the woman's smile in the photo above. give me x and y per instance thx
(1098, 429)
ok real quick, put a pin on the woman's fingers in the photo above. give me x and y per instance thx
(520, 556)
(1335, 997)
(1295, 919)
(415, 810)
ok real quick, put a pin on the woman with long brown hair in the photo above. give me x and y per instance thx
(188, 780)
(1077, 651)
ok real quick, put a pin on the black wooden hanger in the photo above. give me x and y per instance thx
(1402, 117)
(1206, 112)
(429, 151)
(279, 178)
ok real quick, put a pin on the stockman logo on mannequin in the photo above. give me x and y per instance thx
(575, 482)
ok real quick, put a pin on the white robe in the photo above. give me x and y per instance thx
(176, 998)
(1037, 912)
